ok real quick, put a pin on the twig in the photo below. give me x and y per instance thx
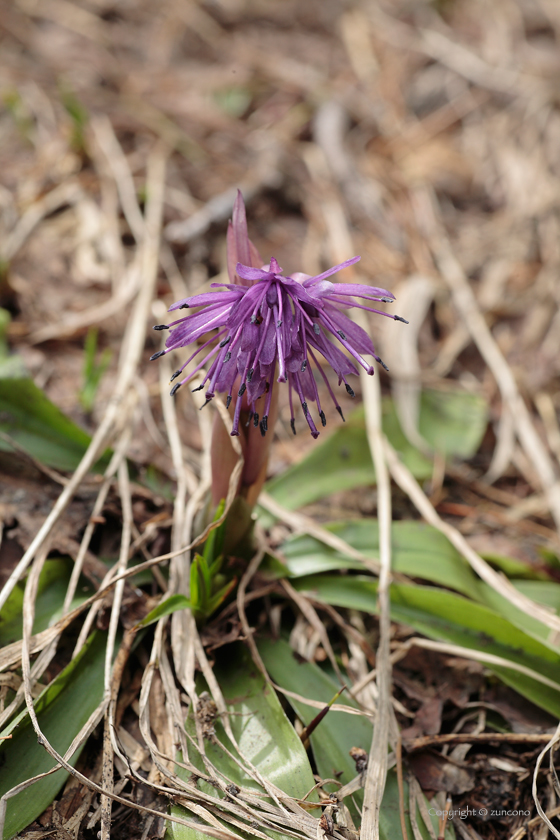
(377, 764)
(473, 738)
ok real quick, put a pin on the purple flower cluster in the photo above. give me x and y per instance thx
(265, 326)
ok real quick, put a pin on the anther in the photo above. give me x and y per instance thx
(338, 408)
(204, 404)
(174, 389)
(386, 300)
(242, 390)
(250, 374)
(316, 329)
(198, 388)
(305, 409)
(264, 425)
(227, 357)
(225, 341)
(184, 306)
(303, 365)
(398, 318)
(323, 418)
(279, 322)
(175, 375)
(161, 327)
(228, 401)
(349, 389)
(341, 334)
(382, 363)
(248, 423)
(157, 355)
(293, 425)
(255, 420)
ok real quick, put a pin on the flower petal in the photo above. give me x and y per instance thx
(330, 271)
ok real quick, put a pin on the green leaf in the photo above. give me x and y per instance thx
(448, 617)
(528, 623)
(62, 709)
(36, 424)
(338, 732)
(418, 550)
(170, 605)
(92, 371)
(514, 568)
(543, 592)
(213, 547)
(53, 583)
(193, 585)
(220, 596)
(453, 422)
(264, 734)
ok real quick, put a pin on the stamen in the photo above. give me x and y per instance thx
(316, 329)
(161, 327)
(323, 418)
(382, 363)
(255, 420)
(228, 401)
(200, 387)
(293, 425)
(395, 318)
(176, 374)
(349, 389)
(185, 306)
(225, 341)
(242, 390)
(250, 374)
(175, 389)
(341, 334)
(264, 425)
(338, 408)
(157, 355)
(305, 408)
(303, 365)
(227, 357)
(205, 404)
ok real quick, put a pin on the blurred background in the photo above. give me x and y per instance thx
(424, 136)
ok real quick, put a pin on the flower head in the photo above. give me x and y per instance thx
(266, 327)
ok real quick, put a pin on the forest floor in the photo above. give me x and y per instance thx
(423, 136)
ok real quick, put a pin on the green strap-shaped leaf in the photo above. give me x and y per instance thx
(418, 550)
(338, 732)
(446, 616)
(62, 709)
(35, 423)
(452, 422)
(265, 737)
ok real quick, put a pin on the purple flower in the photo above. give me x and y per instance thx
(266, 327)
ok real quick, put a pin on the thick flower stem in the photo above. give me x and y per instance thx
(255, 448)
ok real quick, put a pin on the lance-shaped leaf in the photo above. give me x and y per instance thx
(62, 709)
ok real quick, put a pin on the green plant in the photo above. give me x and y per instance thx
(92, 370)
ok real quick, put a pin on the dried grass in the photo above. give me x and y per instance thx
(434, 154)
